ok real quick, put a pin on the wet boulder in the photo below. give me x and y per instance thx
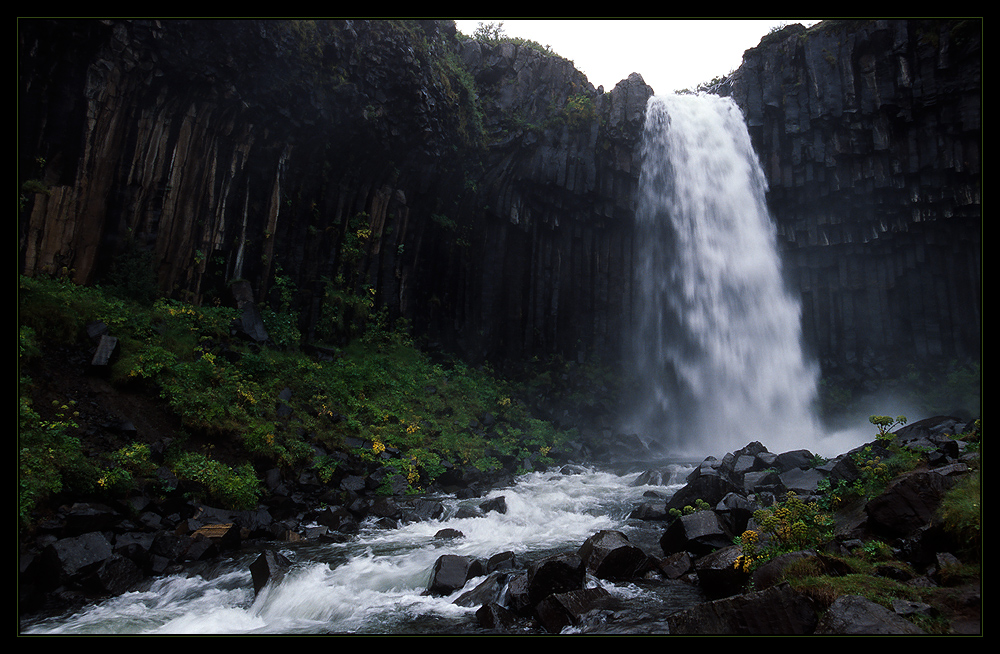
(763, 480)
(421, 510)
(802, 481)
(269, 567)
(451, 572)
(706, 483)
(502, 561)
(498, 504)
(72, 559)
(338, 518)
(676, 565)
(800, 459)
(609, 554)
(136, 546)
(556, 574)
(116, 575)
(650, 510)
(776, 611)
(700, 532)
(494, 616)
(908, 504)
(490, 590)
(561, 610)
(856, 615)
(718, 575)
(735, 512)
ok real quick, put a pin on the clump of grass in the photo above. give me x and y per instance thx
(961, 510)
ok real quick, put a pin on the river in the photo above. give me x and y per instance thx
(376, 582)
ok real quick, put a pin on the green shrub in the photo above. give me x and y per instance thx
(128, 465)
(50, 459)
(788, 526)
(233, 488)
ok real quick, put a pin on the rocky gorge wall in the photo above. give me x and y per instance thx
(359, 159)
(485, 191)
(869, 133)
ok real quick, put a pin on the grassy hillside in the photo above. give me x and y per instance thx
(217, 410)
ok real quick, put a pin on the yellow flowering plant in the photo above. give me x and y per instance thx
(788, 526)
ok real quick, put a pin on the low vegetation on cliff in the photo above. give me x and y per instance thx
(233, 408)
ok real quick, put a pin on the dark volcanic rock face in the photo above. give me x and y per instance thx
(869, 133)
(482, 192)
(485, 192)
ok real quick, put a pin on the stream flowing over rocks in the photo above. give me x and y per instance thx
(575, 549)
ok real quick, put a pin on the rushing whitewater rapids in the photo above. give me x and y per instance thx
(375, 583)
(718, 346)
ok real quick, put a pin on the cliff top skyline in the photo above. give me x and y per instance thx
(670, 54)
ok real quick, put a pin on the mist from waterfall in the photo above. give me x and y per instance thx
(718, 345)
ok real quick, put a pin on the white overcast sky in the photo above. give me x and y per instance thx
(671, 54)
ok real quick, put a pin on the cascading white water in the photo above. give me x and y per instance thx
(375, 583)
(718, 341)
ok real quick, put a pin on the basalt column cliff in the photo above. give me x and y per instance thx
(869, 132)
(485, 191)
(481, 191)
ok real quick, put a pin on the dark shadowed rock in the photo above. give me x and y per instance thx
(908, 504)
(502, 561)
(250, 323)
(498, 504)
(609, 554)
(775, 611)
(450, 573)
(802, 481)
(560, 610)
(735, 511)
(269, 567)
(800, 459)
(676, 565)
(556, 574)
(70, 559)
(338, 518)
(116, 575)
(718, 575)
(495, 616)
(857, 616)
(708, 486)
(699, 533)
(488, 591)
(85, 517)
(770, 573)
(652, 510)
(106, 353)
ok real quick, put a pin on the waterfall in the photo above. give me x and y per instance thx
(717, 347)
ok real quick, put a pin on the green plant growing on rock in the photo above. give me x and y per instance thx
(50, 459)
(688, 509)
(961, 511)
(234, 488)
(788, 526)
(885, 424)
(128, 465)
